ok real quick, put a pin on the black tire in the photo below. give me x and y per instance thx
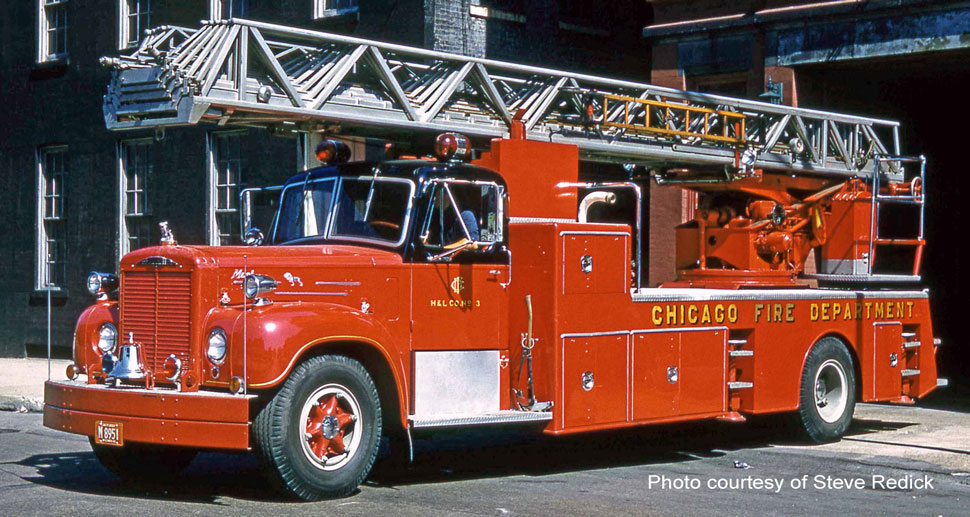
(143, 462)
(307, 445)
(828, 391)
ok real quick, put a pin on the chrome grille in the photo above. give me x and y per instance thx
(156, 307)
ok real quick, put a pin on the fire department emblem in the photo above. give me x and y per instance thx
(458, 285)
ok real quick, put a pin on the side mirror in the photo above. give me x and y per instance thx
(254, 237)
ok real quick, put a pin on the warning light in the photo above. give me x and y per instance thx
(329, 152)
(452, 146)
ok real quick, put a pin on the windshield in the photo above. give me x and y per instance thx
(365, 208)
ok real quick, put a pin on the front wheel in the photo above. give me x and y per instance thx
(828, 391)
(318, 437)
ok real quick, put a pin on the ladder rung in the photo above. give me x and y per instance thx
(911, 344)
(741, 353)
(910, 372)
(900, 242)
(740, 385)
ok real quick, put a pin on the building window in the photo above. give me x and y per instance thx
(135, 180)
(51, 30)
(51, 233)
(226, 168)
(325, 8)
(225, 9)
(134, 19)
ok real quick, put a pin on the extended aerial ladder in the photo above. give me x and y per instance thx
(249, 73)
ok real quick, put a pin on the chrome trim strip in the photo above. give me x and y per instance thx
(640, 331)
(502, 417)
(678, 329)
(513, 220)
(661, 294)
(300, 293)
(337, 283)
(583, 232)
(595, 334)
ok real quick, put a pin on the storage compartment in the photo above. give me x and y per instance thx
(595, 262)
(888, 360)
(679, 372)
(594, 382)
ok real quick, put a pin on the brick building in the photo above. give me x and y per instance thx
(898, 59)
(75, 197)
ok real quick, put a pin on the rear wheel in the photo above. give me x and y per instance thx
(318, 437)
(143, 462)
(828, 391)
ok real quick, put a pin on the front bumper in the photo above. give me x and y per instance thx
(160, 416)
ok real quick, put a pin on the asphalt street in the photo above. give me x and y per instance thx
(895, 460)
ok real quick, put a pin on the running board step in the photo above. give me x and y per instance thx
(740, 385)
(912, 372)
(911, 344)
(499, 417)
(740, 353)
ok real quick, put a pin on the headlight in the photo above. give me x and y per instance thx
(107, 337)
(101, 282)
(216, 351)
(255, 285)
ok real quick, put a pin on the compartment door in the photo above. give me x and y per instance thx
(594, 382)
(887, 360)
(656, 367)
(703, 372)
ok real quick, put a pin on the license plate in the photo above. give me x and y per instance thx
(109, 433)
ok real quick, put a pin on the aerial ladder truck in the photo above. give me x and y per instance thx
(493, 284)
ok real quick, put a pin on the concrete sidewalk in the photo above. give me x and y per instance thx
(22, 382)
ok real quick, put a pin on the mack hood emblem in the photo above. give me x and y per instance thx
(157, 261)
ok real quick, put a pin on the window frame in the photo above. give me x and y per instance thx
(215, 8)
(44, 54)
(43, 280)
(212, 187)
(125, 40)
(322, 12)
(328, 232)
(124, 230)
(444, 185)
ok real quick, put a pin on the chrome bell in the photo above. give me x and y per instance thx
(128, 367)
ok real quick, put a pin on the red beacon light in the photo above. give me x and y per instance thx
(452, 146)
(330, 152)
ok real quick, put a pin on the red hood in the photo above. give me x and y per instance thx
(192, 257)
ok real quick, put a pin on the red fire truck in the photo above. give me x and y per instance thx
(404, 295)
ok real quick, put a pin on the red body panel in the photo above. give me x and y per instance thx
(689, 329)
(605, 355)
(217, 421)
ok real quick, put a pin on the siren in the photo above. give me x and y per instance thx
(452, 146)
(330, 152)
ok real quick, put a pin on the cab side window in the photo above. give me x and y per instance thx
(460, 211)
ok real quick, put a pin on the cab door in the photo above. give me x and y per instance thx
(458, 306)
(458, 294)
(459, 329)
